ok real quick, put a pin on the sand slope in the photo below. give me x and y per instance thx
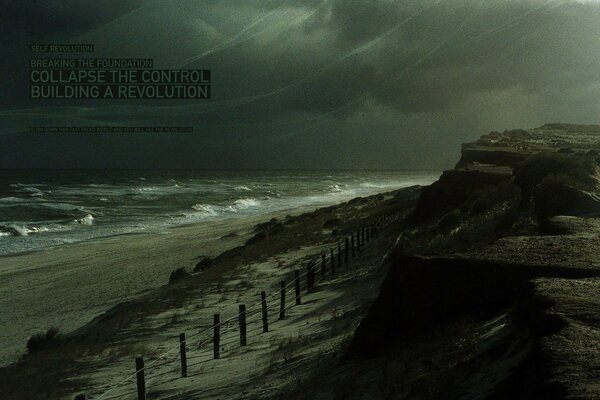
(68, 285)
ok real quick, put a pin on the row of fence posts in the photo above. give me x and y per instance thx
(353, 244)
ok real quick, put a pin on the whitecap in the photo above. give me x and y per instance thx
(32, 190)
(244, 204)
(145, 189)
(273, 193)
(205, 209)
(242, 189)
(87, 220)
(17, 230)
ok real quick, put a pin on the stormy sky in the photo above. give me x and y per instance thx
(305, 84)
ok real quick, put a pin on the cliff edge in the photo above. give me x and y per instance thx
(492, 287)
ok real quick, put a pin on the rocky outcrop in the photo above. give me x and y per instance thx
(497, 150)
(509, 183)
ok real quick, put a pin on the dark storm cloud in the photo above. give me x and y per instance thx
(52, 17)
(25, 22)
(416, 76)
(356, 21)
(454, 50)
(441, 54)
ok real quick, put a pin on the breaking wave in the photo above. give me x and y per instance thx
(52, 210)
(244, 204)
(205, 209)
(210, 210)
(87, 220)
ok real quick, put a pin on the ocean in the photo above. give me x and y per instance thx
(43, 208)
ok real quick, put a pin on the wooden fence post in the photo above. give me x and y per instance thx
(282, 304)
(216, 335)
(368, 232)
(352, 244)
(183, 355)
(323, 266)
(339, 255)
(310, 277)
(265, 318)
(242, 318)
(358, 240)
(332, 258)
(297, 287)
(346, 249)
(140, 378)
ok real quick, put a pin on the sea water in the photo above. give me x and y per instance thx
(42, 208)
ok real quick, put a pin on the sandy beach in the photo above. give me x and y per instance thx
(79, 281)
(131, 273)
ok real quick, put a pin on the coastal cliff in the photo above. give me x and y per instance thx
(492, 286)
(508, 183)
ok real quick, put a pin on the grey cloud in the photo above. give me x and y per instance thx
(61, 16)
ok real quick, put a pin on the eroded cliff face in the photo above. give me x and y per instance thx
(455, 328)
(508, 183)
(492, 288)
(501, 151)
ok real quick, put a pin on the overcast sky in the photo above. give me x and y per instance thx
(306, 84)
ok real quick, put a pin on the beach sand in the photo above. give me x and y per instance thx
(131, 273)
(66, 286)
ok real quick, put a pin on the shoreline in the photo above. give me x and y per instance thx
(61, 274)
(168, 229)
(160, 223)
(81, 280)
(249, 261)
